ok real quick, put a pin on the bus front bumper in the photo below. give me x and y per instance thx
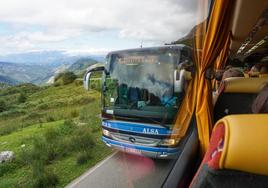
(152, 152)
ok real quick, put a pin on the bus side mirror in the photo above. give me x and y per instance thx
(180, 77)
(86, 80)
(90, 70)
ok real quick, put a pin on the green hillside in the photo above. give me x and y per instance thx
(54, 131)
(81, 65)
(24, 73)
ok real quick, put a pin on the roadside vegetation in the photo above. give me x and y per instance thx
(64, 78)
(54, 132)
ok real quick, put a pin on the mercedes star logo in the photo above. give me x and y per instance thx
(132, 139)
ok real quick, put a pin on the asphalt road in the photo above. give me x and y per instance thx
(122, 170)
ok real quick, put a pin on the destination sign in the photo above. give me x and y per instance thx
(138, 59)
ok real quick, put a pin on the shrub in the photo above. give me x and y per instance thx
(65, 78)
(68, 78)
(49, 118)
(56, 84)
(41, 153)
(81, 100)
(85, 114)
(46, 179)
(96, 85)
(78, 82)
(52, 136)
(52, 153)
(51, 179)
(83, 139)
(38, 159)
(67, 127)
(58, 145)
(33, 116)
(25, 156)
(74, 113)
(83, 157)
(7, 167)
(38, 168)
(22, 98)
(42, 106)
(40, 149)
(96, 128)
(8, 128)
(13, 112)
(3, 106)
(65, 146)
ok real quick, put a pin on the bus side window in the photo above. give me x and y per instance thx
(184, 72)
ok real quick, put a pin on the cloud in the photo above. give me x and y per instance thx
(156, 21)
(18, 42)
(27, 41)
(89, 51)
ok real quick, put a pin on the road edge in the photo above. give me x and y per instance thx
(77, 180)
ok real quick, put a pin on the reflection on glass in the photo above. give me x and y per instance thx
(143, 85)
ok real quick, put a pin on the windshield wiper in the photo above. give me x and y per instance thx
(159, 123)
(133, 115)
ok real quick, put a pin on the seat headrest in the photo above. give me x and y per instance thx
(245, 143)
(263, 75)
(244, 85)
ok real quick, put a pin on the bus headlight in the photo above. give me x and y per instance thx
(106, 132)
(169, 142)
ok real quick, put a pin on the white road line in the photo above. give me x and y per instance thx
(86, 174)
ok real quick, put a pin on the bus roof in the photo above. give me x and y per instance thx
(177, 46)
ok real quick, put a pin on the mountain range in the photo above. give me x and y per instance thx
(81, 65)
(23, 73)
(46, 58)
(7, 80)
(41, 67)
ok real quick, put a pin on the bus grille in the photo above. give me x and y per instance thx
(135, 139)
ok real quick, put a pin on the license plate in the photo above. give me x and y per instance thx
(133, 151)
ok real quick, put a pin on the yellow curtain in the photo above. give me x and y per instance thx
(222, 58)
(211, 44)
(208, 43)
(186, 110)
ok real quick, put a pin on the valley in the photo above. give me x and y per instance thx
(40, 68)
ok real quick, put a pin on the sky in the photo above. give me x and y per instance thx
(92, 26)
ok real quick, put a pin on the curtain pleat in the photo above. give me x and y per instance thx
(209, 41)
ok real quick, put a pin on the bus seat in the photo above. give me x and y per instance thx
(246, 75)
(238, 152)
(237, 95)
(244, 85)
(260, 104)
(263, 75)
(134, 94)
(254, 74)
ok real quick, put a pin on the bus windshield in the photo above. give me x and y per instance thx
(140, 85)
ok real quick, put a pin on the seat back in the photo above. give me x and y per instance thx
(263, 75)
(134, 94)
(237, 154)
(237, 96)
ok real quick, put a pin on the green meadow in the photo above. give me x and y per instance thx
(54, 132)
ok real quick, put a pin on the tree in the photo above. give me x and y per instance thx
(68, 78)
(65, 78)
